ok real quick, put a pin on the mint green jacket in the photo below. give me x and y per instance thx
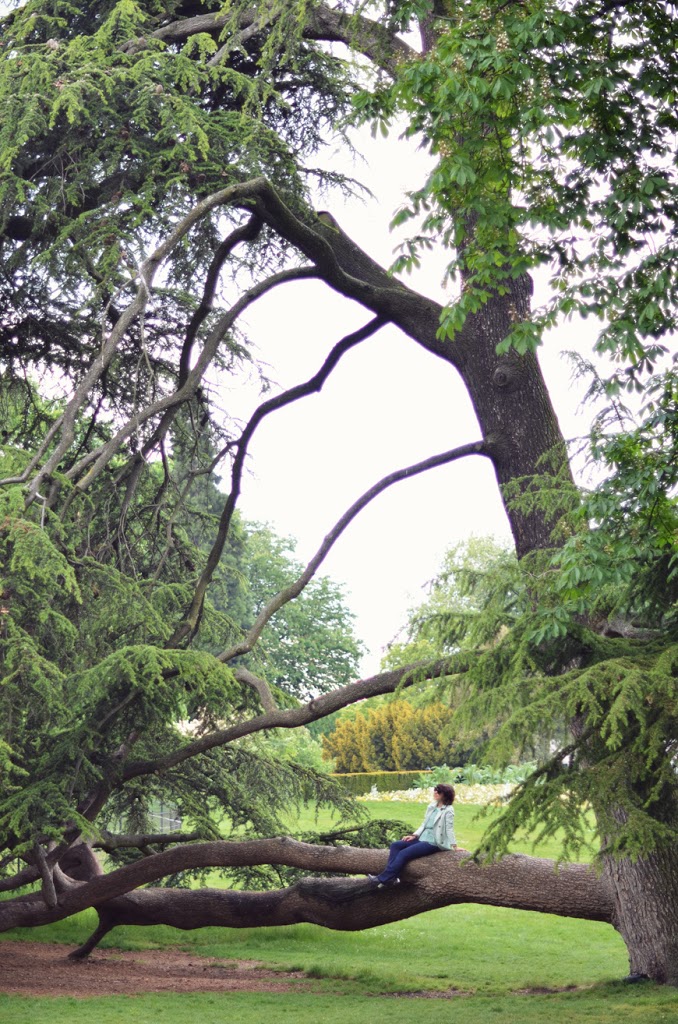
(443, 830)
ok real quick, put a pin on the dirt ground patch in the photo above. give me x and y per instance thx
(42, 969)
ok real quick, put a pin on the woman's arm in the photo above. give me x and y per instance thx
(449, 841)
(417, 832)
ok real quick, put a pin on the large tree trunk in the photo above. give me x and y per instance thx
(514, 410)
(508, 392)
(646, 911)
(523, 439)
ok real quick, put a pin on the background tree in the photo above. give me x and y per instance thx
(310, 646)
(155, 157)
(477, 598)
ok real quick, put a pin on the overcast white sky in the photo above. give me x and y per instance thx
(389, 404)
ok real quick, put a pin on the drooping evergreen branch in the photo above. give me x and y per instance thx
(291, 718)
(243, 233)
(101, 456)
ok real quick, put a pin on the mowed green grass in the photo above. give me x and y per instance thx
(611, 1005)
(499, 959)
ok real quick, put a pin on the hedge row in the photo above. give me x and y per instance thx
(359, 783)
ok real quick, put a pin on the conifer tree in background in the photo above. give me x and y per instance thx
(157, 178)
(396, 736)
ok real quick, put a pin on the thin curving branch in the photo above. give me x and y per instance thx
(313, 385)
(292, 591)
(244, 233)
(140, 841)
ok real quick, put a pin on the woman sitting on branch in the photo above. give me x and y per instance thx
(435, 833)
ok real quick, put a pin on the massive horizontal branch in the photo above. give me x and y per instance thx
(520, 882)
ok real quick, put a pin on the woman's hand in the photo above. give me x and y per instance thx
(408, 839)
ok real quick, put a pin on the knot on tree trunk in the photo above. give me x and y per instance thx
(508, 376)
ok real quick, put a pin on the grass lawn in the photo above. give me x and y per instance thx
(608, 1005)
(489, 953)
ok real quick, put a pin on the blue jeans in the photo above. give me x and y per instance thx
(401, 853)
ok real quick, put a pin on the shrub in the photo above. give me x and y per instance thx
(395, 736)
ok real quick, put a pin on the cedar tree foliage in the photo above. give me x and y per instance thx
(157, 173)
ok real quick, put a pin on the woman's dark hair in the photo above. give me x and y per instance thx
(446, 792)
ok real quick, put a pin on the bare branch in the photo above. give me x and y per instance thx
(311, 386)
(376, 42)
(65, 424)
(344, 266)
(32, 872)
(243, 675)
(244, 233)
(139, 841)
(289, 593)
(102, 455)
(48, 891)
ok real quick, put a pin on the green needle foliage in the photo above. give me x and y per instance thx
(109, 133)
(112, 128)
(86, 613)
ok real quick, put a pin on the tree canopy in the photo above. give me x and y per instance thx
(157, 179)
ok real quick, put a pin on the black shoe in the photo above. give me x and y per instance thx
(387, 885)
